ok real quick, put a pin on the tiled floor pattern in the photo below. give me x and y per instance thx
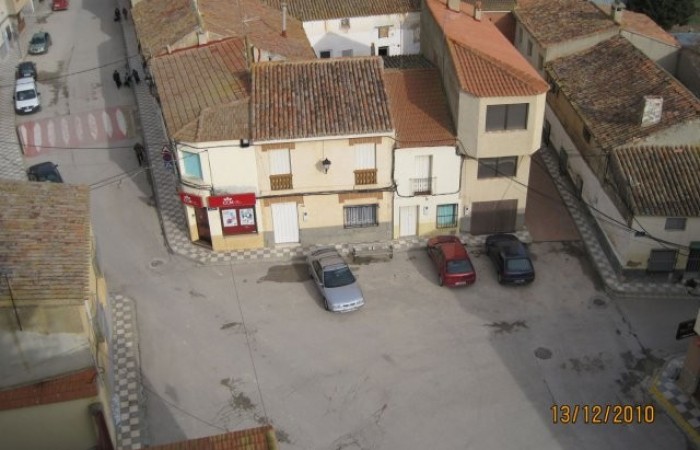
(127, 402)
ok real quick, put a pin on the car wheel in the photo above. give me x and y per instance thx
(325, 304)
(440, 281)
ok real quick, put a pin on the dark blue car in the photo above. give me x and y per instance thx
(510, 258)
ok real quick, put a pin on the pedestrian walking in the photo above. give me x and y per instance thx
(117, 15)
(117, 79)
(135, 75)
(127, 79)
(125, 14)
(139, 150)
(167, 158)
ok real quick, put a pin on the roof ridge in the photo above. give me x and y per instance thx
(507, 68)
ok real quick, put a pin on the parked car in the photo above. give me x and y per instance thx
(40, 43)
(26, 69)
(59, 5)
(26, 96)
(46, 171)
(510, 258)
(451, 261)
(334, 280)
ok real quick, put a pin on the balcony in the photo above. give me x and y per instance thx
(422, 186)
(366, 176)
(281, 182)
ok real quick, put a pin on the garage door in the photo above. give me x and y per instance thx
(494, 217)
(285, 222)
(662, 260)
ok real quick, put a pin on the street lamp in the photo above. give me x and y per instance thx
(326, 165)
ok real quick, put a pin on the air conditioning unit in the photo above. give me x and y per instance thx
(345, 23)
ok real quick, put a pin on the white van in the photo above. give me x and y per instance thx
(26, 96)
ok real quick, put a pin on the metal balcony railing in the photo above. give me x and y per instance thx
(281, 182)
(422, 186)
(366, 176)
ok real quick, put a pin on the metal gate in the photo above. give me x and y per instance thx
(494, 217)
(693, 264)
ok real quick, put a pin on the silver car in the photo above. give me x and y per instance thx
(334, 280)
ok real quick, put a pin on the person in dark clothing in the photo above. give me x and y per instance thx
(117, 15)
(125, 14)
(127, 79)
(117, 79)
(138, 148)
(135, 75)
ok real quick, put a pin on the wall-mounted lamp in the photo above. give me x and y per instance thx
(326, 165)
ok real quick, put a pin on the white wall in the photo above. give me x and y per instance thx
(404, 37)
(662, 53)
(225, 166)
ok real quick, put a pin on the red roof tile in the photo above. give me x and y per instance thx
(190, 81)
(261, 438)
(61, 389)
(311, 10)
(419, 108)
(659, 181)
(642, 24)
(326, 97)
(160, 23)
(555, 21)
(486, 63)
(607, 84)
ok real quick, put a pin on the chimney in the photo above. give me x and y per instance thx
(477, 11)
(202, 37)
(617, 8)
(651, 111)
(454, 5)
(284, 19)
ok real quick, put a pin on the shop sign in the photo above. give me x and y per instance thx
(232, 200)
(191, 199)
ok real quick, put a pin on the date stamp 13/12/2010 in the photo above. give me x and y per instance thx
(603, 414)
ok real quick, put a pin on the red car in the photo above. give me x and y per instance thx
(452, 261)
(59, 5)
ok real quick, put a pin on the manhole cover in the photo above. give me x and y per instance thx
(543, 353)
(157, 263)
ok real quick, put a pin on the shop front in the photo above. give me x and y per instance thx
(224, 221)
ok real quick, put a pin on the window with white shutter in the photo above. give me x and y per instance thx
(279, 162)
(365, 157)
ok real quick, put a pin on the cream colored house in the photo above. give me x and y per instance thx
(323, 136)
(338, 28)
(497, 102)
(610, 97)
(427, 165)
(12, 22)
(54, 320)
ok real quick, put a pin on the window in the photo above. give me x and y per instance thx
(383, 51)
(238, 220)
(520, 35)
(383, 32)
(586, 134)
(364, 156)
(325, 54)
(279, 162)
(675, 223)
(497, 167)
(192, 164)
(529, 47)
(360, 216)
(446, 216)
(506, 117)
(345, 23)
(347, 53)
(422, 184)
(540, 62)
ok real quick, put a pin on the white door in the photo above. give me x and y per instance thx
(285, 222)
(408, 221)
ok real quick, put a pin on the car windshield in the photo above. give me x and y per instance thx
(518, 265)
(26, 95)
(37, 40)
(459, 266)
(338, 277)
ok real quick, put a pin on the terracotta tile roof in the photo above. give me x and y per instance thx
(419, 108)
(486, 63)
(406, 62)
(190, 81)
(642, 24)
(60, 389)
(45, 242)
(555, 21)
(160, 23)
(261, 24)
(606, 85)
(219, 123)
(494, 5)
(261, 438)
(310, 10)
(163, 23)
(326, 97)
(659, 181)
